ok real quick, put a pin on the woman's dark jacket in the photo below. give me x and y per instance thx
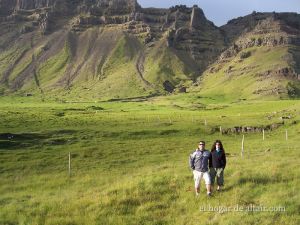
(218, 159)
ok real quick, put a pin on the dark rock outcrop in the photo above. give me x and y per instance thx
(197, 18)
(168, 86)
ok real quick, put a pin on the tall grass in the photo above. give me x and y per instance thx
(129, 162)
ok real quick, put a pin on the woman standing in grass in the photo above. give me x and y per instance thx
(218, 163)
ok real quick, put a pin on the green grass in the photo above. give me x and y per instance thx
(10, 57)
(51, 70)
(130, 161)
(163, 64)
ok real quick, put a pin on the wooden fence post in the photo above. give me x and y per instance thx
(69, 164)
(243, 140)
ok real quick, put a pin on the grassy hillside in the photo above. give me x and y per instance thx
(130, 161)
(163, 64)
(115, 77)
(248, 78)
(97, 63)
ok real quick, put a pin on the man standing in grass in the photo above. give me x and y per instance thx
(199, 163)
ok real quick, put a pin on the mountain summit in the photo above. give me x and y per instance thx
(117, 49)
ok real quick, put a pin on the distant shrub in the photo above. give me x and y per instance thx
(245, 55)
(59, 114)
(95, 108)
(293, 90)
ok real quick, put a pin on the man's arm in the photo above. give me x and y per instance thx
(191, 161)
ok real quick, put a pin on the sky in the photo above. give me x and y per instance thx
(221, 11)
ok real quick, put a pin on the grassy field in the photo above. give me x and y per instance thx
(129, 161)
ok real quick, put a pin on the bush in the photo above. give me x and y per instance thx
(245, 55)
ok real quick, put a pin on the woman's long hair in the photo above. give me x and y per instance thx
(213, 148)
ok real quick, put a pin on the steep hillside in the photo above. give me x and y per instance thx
(117, 49)
(102, 49)
(261, 62)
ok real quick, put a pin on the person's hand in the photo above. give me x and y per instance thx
(219, 171)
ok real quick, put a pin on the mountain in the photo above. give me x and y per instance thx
(106, 49)
(262, 61)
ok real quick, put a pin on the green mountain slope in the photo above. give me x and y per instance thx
(262, 63)
(85, 50)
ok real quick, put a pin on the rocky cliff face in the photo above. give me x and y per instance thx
(112, 6)
(261, 29)
(198, 19)
(10, 6)
(194, 34)
(33, 4)
(169, 48)
(186, 29)
(47, 11)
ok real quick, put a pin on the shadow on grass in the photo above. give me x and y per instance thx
(133, 99)
(11, 141)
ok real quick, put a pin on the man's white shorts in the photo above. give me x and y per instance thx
(199, 175)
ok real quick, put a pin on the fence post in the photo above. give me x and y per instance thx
(286, 135)
(69, 164)
(263, 134)
(243, 140)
